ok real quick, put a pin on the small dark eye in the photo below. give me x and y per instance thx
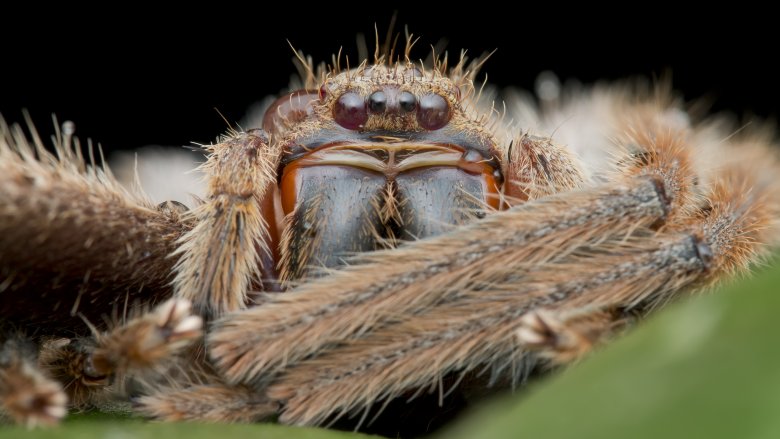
(407, 102)
(377, 102)
(498, 177)
(434, 112)
(350, 111)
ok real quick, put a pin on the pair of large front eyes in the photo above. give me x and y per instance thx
(351, 109)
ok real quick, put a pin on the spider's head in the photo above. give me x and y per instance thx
(393, 147)
(395, 100)
(381, 109)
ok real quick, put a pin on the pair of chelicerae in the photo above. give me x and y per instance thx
(390, 230)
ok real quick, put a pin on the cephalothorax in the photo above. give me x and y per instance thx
(384, 233)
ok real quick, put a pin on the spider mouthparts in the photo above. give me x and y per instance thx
(351, 197)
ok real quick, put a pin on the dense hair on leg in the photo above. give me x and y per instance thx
(73, 240)
(221, 258)
(144, 347)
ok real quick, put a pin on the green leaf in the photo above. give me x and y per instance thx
(105, 426)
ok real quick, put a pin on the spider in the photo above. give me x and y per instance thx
(386, 233)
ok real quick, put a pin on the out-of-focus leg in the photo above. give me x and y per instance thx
(27, 396)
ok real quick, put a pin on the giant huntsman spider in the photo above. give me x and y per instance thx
(389, 232)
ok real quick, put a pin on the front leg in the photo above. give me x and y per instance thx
(229, 248)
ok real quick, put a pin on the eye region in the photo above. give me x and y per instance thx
(350, 111)
(433, 112)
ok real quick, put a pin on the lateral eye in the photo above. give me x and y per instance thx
(349, 111)
(289, 110)
(433, 112)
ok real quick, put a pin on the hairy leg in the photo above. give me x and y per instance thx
(229, 249)
(72, 241)
(27, 396)
(207, 402)
(561, 336)
(147, 343)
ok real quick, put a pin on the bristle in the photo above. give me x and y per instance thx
(297, 242)
(305, 67)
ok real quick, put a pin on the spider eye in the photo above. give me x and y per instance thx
(407, 102)
(350, 111)
(377, 102)
(289, 110)
(434, 112)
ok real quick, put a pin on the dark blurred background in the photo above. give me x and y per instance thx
(139, 77)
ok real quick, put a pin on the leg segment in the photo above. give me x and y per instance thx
(229, 249)
(562, 336)
(208, 402)
(146, 343)
(26, 395)
(72, 241)
(536, 167)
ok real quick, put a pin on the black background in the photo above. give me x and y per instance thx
(135, 77)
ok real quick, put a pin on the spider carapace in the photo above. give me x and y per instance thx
(375, 155)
